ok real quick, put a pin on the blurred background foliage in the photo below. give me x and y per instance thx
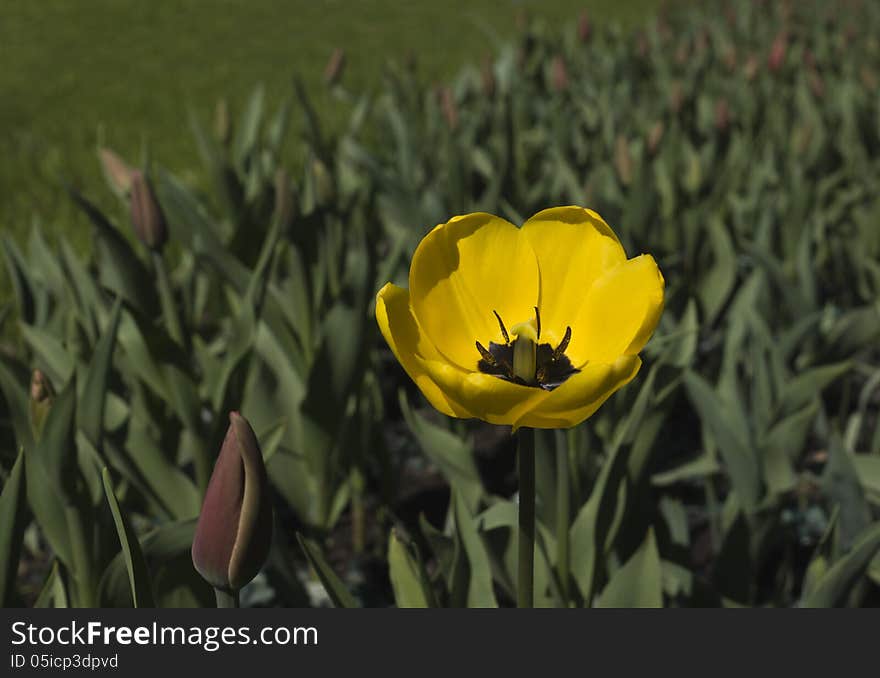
(736, 141)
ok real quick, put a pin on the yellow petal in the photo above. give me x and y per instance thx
(619, 313)
(410, 346)
(486, 397)
(461, 272)
(574, 247)
(581, 394)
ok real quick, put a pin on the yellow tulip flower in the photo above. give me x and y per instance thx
(534, 326)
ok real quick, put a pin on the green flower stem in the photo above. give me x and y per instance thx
(526, 469)
(563, 511)
(82, 561)
(226, 598)
(166, 298)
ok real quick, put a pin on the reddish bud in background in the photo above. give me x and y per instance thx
(676, 98)
(655, 136)
(729, 58)
(116, 171)
(817, 85)
(751, 67)
(234, 530)
(722, 115)
(449, 107)
(42, 395)
(146, 213)
(777, 52)
(487, 76)
(559, 74)
(809, 59)
(585, 27)
(335, 67)
(682, 53)
(642, 45)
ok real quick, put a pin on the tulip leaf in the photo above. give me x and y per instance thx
(639, 582)
(471, 550)
(739, 458)
(95, 391)
(332, 584)
(15, 394)
(408, 577)
(832, 588)
(138, 575)
(452, 455)
(13, 519)
(56, 448)
(54, 592)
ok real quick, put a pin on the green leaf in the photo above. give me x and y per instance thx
(138, 574)
(450, 453)
(479, 580)
(639, 582)
(332, 584)
(739, 458)
(13, 519)
(94, 395)
(56, 448)
(832, 589)
(408, 578)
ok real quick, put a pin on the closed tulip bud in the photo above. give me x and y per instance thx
(449, 108)
(222, 122)
(777, 52)
(642, 45)
(559, 75)
(655, 136)
(116, 171)
(234, 530)
(585, 27)
(682, 53)
(42, 395)
(284, 197)
(809, 59)
(676, 98)
(623, 161)
(751, 67)
(335, 67)
(817, 85)
(722, 116)
(487, 75)
(729, 58)
(146, 213)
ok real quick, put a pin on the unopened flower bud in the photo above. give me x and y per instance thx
(751, 67)
(116, 171)
(623, 162)
(676, 98)
(146, 213)
(817, 85)
(222, 122)
(42, 395)
(335, 67)
(559, 74)
(585, 27)
(449, 108)
(487, 76)
(655, 136)
(722, 116)
(234, 530)
(777, 52)
(729, 58)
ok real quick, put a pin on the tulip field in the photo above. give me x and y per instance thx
(595, 322)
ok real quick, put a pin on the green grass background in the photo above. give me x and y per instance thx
(127, 72)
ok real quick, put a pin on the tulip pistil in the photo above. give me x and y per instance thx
(524, 360)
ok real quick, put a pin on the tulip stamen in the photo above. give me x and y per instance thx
(503, 328)
(524, 360)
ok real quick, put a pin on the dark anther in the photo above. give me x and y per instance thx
(487, 355)
(538, 321)
(562, 344)
(503, 328)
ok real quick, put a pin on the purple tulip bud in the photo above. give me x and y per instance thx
(722, 116)
(559, 74)
(777, 52)
(234, 531)
(146, 213)
(585, 27)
